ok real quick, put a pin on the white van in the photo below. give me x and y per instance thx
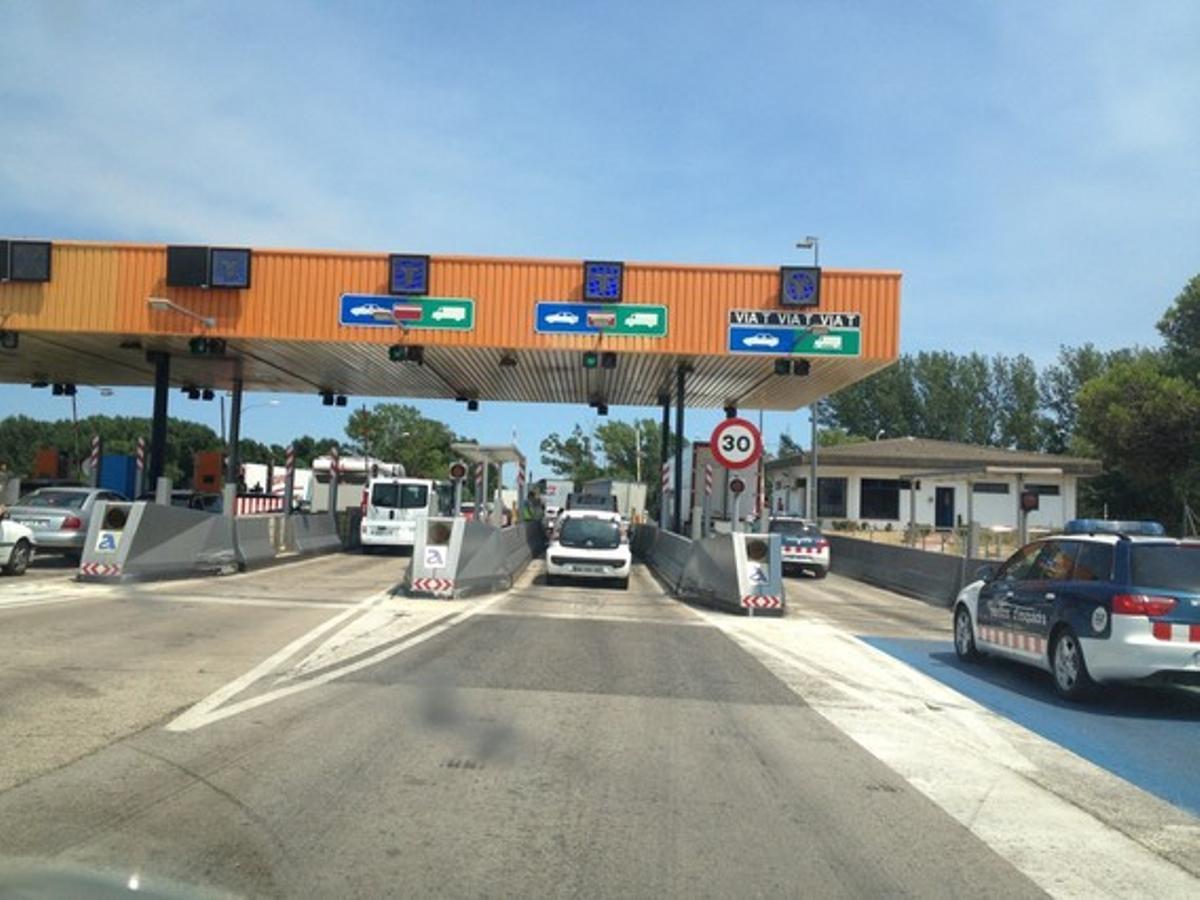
(392, 506)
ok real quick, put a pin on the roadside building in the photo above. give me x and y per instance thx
(941, 484)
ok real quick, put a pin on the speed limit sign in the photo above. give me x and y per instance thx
(736, 444)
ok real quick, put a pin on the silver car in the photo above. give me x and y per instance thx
(59, 516)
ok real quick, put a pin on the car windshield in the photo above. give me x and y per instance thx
(56, 499)
(400, 496)
(591, 532)
(795, 529)
(1173, 567)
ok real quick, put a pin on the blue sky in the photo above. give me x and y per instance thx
(1031, 167)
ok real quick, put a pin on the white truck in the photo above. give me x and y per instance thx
(631, 495)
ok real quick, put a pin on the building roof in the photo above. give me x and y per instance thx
(913, 454)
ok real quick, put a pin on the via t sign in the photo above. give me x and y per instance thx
(736, 444)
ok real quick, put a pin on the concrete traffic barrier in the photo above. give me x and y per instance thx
(454, 557)
(735, 572)
(149, 541)
(935, 578)
(315, 533)
(255, 541)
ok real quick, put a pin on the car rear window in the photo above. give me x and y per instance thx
(1174, 567)
(400, 496)
(55, 499)
(795, 529)
(591, 532)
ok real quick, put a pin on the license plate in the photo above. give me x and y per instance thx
(378, 530)
(588, 570)
(33, 523)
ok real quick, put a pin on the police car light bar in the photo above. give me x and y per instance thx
(1145, 528)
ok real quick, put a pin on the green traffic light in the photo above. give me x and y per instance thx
(591, 359)
(396, 353)
(198, 346)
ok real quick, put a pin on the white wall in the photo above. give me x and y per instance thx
(987, 509)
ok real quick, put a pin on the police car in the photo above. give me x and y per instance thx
(803, 546)
(1103, 602)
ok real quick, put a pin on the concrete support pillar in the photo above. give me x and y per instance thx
(233, 456)
(680, 402)
(158, 425)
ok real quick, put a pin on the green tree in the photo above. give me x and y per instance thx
(1059, 388)
(836, 437)
(1145, 424)
(1020, 422)
(397, 432)
(788, 446)
(571, 457)
(1180, 328)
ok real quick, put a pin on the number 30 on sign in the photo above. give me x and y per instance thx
(736, 444)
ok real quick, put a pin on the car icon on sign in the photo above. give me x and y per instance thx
(456, 313)
(761, 340)
(562, 318)
(370, 309)
(642, 320)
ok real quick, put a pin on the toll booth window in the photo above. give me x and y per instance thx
(400, 496)
(831, 498)
(879, 498)
(1043, 490)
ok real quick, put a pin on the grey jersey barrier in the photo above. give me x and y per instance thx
(735, 572)
(454, 557)
(151, 541)
(148, 541)
(933, 577)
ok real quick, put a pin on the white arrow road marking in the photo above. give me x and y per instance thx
(356, 638)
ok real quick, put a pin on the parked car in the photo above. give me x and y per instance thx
(589, 543)
(803, 547)
(1101, 603)
(59, 516)
(205, 502)
(17, 546)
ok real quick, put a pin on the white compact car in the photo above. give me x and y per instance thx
(16, 546)
(589, 543)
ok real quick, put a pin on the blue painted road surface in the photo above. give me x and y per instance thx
(1148, 736)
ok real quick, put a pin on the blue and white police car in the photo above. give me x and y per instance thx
(1103, 602)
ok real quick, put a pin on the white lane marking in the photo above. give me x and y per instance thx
(979, 767)
(250, 601)
(592, 616)
(42, 593)
(210, 710)
(205, 707)
(281, 568)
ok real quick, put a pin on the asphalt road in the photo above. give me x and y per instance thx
(572, 741)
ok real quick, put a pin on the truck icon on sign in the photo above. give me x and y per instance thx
(454, 313)
(828, 342)
(642, 320)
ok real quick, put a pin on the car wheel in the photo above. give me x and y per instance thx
(1071, 678)
(623, 583)
(964, 636)
(18, 560)
(551, 580)
(819, 572)
(366, 549)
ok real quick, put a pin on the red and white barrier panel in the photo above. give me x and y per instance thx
(1017, 640)
(99, 569)
(258, 504)
(433, 585)
(756, 601)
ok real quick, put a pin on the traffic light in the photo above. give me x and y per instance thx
(593, 359)
(402, 353)
(203, 346)
(789, 367)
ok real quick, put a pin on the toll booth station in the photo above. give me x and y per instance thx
(336, 324)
